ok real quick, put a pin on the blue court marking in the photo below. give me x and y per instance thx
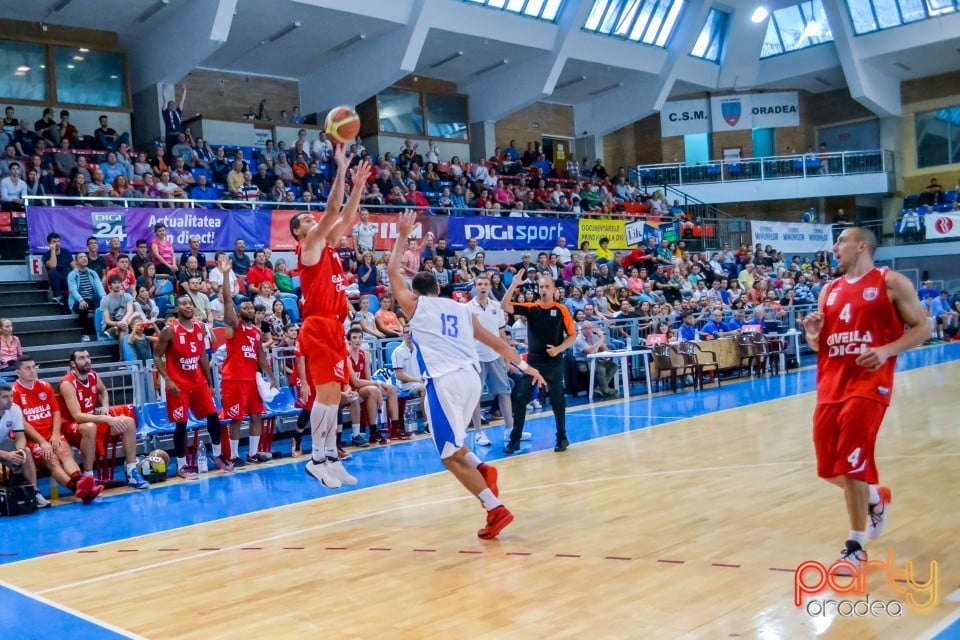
(29, 618)
(162, 508)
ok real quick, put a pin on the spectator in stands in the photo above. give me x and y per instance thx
(387, 321)
(64, 159)
(945, 315)
(259, 274)
(47, 127)
(107, 137)
(406, 367)
(240, 258)
(126, 274)
(95, 261)
(117, 307)
(86, 292)
(58, 267)
(13, 190)
(588, 342)
(10, 349)
(181, 176)
(35, 185)
(181, 149)
(203, 311)
(148, 279)
(932, 194)
(145, 307)
(205, 193)
(173, 116)
(98, 187)
(169, 190)
(120, 188)
(161, 252)
(25, 141)
(190, 269)
(141, 258)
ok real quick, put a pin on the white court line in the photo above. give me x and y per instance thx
(940, 627)
(71, 611)
(298, 532)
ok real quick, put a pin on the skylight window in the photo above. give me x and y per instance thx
(875, 15)
(796, 27)
(541, 9)
(647, 21)
(710, 41)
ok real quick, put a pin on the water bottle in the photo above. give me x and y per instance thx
(629, 343)
(145, 467)
(409, 419)
(202, 458)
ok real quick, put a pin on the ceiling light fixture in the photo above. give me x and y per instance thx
(759, 14)
(360, 37)
(283, 32)
(812, 30)
(78, 58)
(152, 11)
(84, 50)
(606, 89)
(450, 58)
(495, 65)
(23, 69)
(571, 82)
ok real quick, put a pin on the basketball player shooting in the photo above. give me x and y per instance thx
(324, 307)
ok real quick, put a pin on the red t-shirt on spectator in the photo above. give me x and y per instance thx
(258, 275)
(129, 280)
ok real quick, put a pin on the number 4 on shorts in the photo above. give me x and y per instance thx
(854, 457)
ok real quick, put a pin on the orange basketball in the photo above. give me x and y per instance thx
(342, 125)
(160, 453)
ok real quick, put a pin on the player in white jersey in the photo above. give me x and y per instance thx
(444, 332)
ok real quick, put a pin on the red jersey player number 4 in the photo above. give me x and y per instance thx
(858, 332)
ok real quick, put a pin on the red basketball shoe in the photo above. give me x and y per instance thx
(497, 521)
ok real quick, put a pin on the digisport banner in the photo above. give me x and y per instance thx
(511, 233)
(755, 111)
(217, 229)
(684, 117)
(793, 237)
(941, 225)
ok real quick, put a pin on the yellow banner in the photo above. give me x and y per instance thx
(592, 230)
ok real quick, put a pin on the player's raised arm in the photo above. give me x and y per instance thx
(316, 237)
(224, 265)
(398, 282)
(507, 303)
(342, 159)
(349, 216)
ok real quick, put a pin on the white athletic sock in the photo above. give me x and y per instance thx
(323, 419)
(874, 495)
(472, 459)
(860, 537)
(330, 444)
(216, 450)
(254, 448)
(355, 427)
(488, 500)
(88, 473)
(131, 467)
(181, 463)
(235, 447)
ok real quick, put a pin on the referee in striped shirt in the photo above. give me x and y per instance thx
(550, 332)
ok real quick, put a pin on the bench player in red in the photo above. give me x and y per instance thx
(92, 427)
(324, 306)
(858, 332)
(238, 389)
(181, 358)
(41, 424)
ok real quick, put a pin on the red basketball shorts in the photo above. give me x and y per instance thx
(71, 431)
(322, 342)
(194, 396)
(240, 399)
(844, 437)
(38, 452)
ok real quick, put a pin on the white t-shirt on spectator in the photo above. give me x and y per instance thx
(10, 191)
(216, 279)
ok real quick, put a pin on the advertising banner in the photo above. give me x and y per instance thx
(941, 225)
(511, 233)
(793, 237)
(684, 117)
(613, 230)
(755, 111)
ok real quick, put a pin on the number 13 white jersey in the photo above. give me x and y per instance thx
(443, 332)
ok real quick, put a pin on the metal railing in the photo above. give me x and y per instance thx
(811, 165)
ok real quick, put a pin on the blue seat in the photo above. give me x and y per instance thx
(153, 416)
(293, 309)
(374, 302)
(950, 197)
(284, 404)
(911, 201)
(98, 326)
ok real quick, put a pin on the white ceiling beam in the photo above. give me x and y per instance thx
(740, 64)
(396, 11)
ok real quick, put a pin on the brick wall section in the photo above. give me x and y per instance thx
(942, 86)
(553, 119)
(231, 99)
(648, 136)
(620, 148)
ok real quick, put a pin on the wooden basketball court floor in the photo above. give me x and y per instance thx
(678, 517)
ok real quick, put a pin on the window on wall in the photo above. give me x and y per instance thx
(647, 21)
(447, 117)
(23, 71)
(89, 77)
(400, 112)
(868, 16)
(710, 41)
(796, 27)
(696, 148)
(938, 137)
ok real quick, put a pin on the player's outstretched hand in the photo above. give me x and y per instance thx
(341, 156)
(407, 222)
(360, 174)
(224, 265)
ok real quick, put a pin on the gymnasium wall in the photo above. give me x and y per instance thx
(926, 94)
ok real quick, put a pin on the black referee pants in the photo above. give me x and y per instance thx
(552, 373)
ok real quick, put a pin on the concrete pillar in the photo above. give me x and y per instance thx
(483, 140)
